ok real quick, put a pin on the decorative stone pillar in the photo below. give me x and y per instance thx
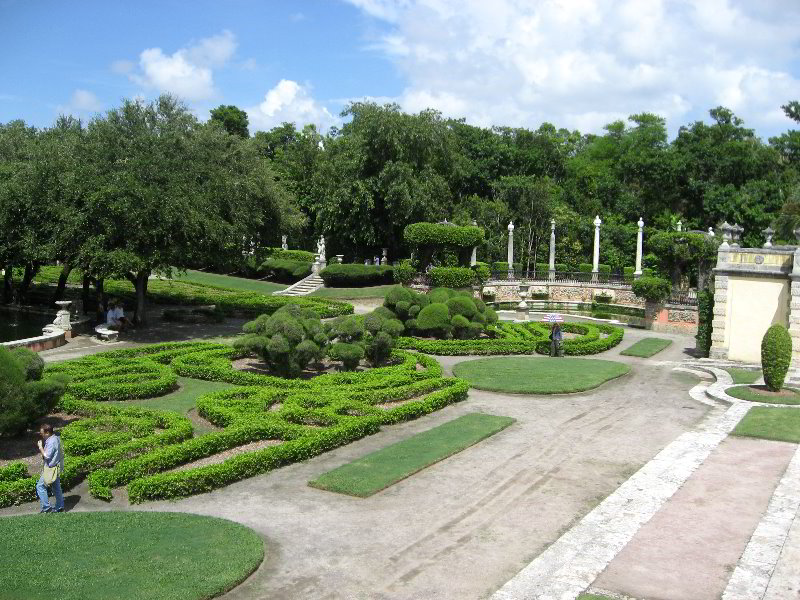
(596, 257)
(284, 245)
(638, 272)
(511, 250)
(736, 235)
(552, 264)
(768, 233)
(726, 235)
(719, 342)
(794, 305)
(473, 260)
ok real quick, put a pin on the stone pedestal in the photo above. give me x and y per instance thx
(340, 258)
(522, 311)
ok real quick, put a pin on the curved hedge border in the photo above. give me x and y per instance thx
(117, 445)
(523, 338)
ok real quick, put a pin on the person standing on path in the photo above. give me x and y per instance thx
(556, 338)
(53, 458)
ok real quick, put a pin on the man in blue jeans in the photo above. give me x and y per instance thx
(53, 456)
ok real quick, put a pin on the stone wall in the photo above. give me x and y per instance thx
(671, 318)
(509, 291)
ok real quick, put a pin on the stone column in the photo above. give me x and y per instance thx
(638, 272)
(552, 265)
(794, 305)
(596, 257)
(473, 260)
(719, 343)
(511, 250)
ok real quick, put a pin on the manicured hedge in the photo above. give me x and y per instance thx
(705, 315)
(451, 277)
(298, 255)
(285, 270)
(404, 273)
(435, 234)
(652, 289)
(502, 267)
(354, 275)
(117, 445)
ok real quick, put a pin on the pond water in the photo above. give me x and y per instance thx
(16, 326)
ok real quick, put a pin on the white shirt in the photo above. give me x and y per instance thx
(111, 317)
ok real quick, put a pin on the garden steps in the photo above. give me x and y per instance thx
(303, 287)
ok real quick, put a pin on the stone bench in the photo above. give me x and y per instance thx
(105, 334)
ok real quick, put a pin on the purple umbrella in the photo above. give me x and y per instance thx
(553, 318)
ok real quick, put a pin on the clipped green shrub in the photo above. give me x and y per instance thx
(397, 294)
(628, 272)
(705, 315)
(355, 275)
(585, 267)
(24, 396)
(502, 267)
(604, 269)
(32, 364)
(441, 295)
(776, 355)
(462, 305)
(434, 320)
(284, 270)
(454, 277)
(404, 273)
(460, 327)
(348, 354)
(287, 340)
(491, 315)
(482, 272)
(438, 234)
(298, 255)
(652, 289)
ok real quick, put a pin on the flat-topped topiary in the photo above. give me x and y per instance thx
(538, 375)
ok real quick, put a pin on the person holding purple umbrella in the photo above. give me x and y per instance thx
(556, 337)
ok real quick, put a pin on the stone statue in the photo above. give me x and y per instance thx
(321, 249)
(284, 245)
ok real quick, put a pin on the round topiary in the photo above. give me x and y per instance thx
(460, 325)
(411, 326)
(440, 295)
(474, 330)
(776, 354)
(413, 311)
(479, 318)
(348, 354)
(491, 315)
(434, 320)
(479, 304)
(397, 294)
(462, 305)
(401, 309)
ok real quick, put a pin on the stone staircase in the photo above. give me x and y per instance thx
(303, 287)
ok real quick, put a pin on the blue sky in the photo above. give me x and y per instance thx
(576, 63)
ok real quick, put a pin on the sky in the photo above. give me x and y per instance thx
(579, 64)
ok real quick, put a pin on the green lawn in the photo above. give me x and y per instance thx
(593, 597)
(377, 291)
(131, 555)
(647, 347)
(769, 423)
(379, 470)
(239, 284)
(744, 375)
(759, 393)
(538, 375)
(183, 399)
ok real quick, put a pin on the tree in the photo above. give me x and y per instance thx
(233, 119)
(166, 192)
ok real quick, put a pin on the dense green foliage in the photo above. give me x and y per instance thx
(380, 469)
(357, 275)
(652, 289)
(24, 395)
(132, 555)
(285, 270)
(538, 375)
(705, 316)
(452, 277)
(115, 445)
(233, 119)
(776, 355)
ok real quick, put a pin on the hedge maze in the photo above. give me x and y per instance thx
(522, 338)
(113, 445)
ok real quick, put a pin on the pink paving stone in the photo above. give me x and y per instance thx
(689, 549)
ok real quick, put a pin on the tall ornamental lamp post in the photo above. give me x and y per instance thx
(638, 272)
(511, 250)
(596, 257)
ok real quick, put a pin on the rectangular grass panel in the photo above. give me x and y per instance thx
(378, 470)
(766, 422)
(647, 347)
(740, 375)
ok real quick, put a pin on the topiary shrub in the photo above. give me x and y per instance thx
(441, 295)
(776, 355)
(434, 320)
(397, 294)
(404, 273)
(462, 305)
(285, 271)
(491, 315)
(280, 339)
(652, 289)
(460, 327)
(355, 275)
(31, 363)
(502, 267)
(298, 255)
(24, 396)
(482, 272)
(348, 354)
(705, 315)
(454, 277)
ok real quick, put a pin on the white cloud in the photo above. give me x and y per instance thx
(188, 72)
(291, 102)
(82, 103)
(581, 63)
